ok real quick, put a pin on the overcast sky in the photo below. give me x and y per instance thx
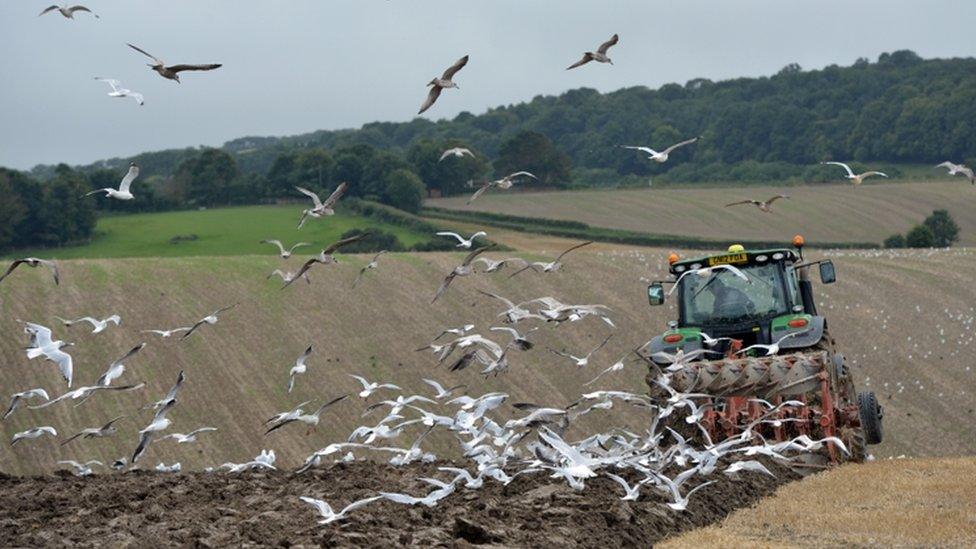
(293, 66)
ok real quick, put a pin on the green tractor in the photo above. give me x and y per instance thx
(748, 331)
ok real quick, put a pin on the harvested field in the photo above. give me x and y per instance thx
(210, 510)
(825, 213)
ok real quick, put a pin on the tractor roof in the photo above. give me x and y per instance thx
(737, 255)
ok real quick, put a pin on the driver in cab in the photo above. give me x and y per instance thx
(728, 300)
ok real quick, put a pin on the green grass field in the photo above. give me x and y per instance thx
(219, 232)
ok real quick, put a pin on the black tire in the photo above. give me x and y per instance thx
(871, 416)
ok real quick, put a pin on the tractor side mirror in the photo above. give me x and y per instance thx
(827, 273)
(655, 294)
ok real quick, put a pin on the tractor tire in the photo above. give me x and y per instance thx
(871, 416)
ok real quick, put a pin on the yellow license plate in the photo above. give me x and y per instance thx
(728, 259)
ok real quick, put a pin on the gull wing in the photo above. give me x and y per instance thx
(740, 202)
(130, 176)
(560, 256)
(453, 69)
(476, 194)
(336, 194)
(111, 82)
(841, 164)
(310, 194)
(681, 144)
(432, 96)
(205, 67)
(587, 57)
(344, 242)
(48, 10)
(147, 54)
(608, 44)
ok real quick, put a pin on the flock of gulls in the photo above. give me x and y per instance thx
(498, 441)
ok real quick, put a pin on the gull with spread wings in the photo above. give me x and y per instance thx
(122, 193)
(444, 82)
(209, 319)
(763, 205)
(855, 178)
(549, 267)
(325, 257)
(661, 157)
(503, 183)
(464, 269)
(600, 55)
(172, 72)
(320, 208)
(34, 262)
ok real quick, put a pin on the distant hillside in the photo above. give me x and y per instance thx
(899, 109)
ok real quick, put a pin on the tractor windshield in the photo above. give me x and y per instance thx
(725, 297)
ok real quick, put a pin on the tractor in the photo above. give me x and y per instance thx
(748, 331)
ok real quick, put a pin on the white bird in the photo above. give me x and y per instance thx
(959, 169)
(98, 325)
(600, 55)
(17, 398)
(459, 331)
(576, 464)
(750, 465)
(117, 368)
(285, 254)
(492, 265)
(709, 271)
(81, 469)
(181, 438)
(174, 468)
(503, 183)
(328, 515)
(397, 406)
(680, 502)
(615, 367)
(123, 191)
(464, 269)
(458, 152)
(374, 263)
(84, 393)
(320, 208)
(462, 242)
(165, 333)
(34, 262)
(67, 11)
(30, 434)
(713, 341)
(774, 348)
(159, 423)
(170, 396)
(443, 490)
(444, 82)
(312, 420)
(42, 344)
(287, 277)
(661, 157)
(298, 368)
(631, 493)
(856, 179)
(442, 393)
(370, 387)
(210, 319)
(106, 430)
(119, 91)
(551, 266)
(289, 415)
(518, 340)
(582, 361)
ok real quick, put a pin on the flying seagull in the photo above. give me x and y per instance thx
(36, 432)
(16, 399)
(959, 169)
(549, 267)
(43, 344)
(159, 423)
(298, 368)
(600, 55)
(312, 420)
(503, 183)
(84, 393)
(165, 334)
(320, 208)
(181, 438)
(209, 319)
(285, 254)
(119, 91)
(774, 348)
(106, 430)
(856, 179)
(82, 469)
(371, 265)
(464, 269)
(463, 242)
(328, 515)
(170, 396)
(458, 152)
(443, 82)
(98, 325)
(370, 387)
(763, 205)
(117, 368)
(661, 157)
(581, 361)
(172, 72)
(326, 256)
(68, 12)
(287, 277)
(34, 262)
(123, 191)
(442, 393)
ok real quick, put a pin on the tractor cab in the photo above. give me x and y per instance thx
(750, 296)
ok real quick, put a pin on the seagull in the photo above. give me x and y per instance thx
(442, 393)
(320, 208)
(661, 157)
(118, 367)
(713, 341)
(289, 415)
(34, 262)
(492, 265)
(98, 325)
(285, 254)
(36, 432)
(856, 179)
(106, 430)
(16, 399)
(504, 183)
(84, 393)
(750, 465)
(397, 406)
(287, 277)
(959, 169)
(209, 319)
(680, 503)
(371, 265)
(159, 423)
(774, 348)
(445, 489)
(458, 152)
(615, 367)
(119, 91)
(82, 469)
(174, 468)
(181, 438)
(631, 493)
(763, 205)
(462, 243)
(464, 269)
(165, 333)
(123, 191)
(170, 396)
(600, 55)
(553, 266)
(43, 344)
(370, 387)
(445, 81)
(172, 72)
(581, 362)
(326, 256)
(298, 368)
(709, 271)
(328, 515)
(518, 340)
(67, 12)
(459, 331)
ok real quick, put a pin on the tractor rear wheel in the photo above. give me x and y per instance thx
(871, 416)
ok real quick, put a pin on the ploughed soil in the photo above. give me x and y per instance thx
(143, 509)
